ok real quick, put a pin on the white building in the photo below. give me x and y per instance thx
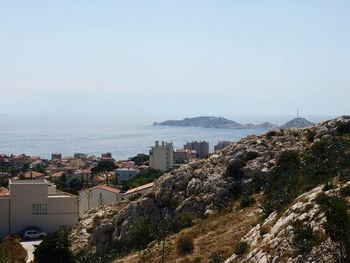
(97, 196)
(161, 156)
(36, 203)
(103, 195)
(141, 190)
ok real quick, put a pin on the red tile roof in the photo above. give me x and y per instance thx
(33, 174)
(3, 191)
(140, 188)
(107, 188)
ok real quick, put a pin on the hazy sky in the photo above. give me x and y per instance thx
(175, 58)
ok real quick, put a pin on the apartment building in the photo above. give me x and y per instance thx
(201, 148)
(36, 203)
(184, 155)
(161, 156)
(56, 156)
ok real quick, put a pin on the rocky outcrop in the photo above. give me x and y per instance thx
(271, 241)
(198, 187)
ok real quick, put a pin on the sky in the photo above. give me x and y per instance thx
(175, 58)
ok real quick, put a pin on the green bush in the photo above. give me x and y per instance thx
(143, 231)
(54, 248)
(304, 238)
(345, 191)
(234, 169)
(250, 155)
(322, 200)
(216, 257)
(241, 248)
(343, 127)
(271, 134)
(184, 220)
(247, 201)
(310, 135)
(184, 244)
(328, 186)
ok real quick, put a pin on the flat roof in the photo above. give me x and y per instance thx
(29, 181)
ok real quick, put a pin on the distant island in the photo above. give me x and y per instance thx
(220, 122)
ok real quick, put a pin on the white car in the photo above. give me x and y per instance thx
(33, 234)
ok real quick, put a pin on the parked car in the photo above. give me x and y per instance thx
(33, 234)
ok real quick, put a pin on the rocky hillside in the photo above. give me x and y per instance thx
(203, 187)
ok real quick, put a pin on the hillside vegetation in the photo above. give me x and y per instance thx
(269, 198)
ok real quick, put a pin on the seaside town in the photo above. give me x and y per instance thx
(40, 195)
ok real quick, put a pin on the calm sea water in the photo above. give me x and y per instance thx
(123, 137)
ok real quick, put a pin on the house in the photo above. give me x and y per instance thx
(36, 203)
(183, 155)
(161, 156)
(33, 175)
(56, 176)
(124, 174)
(97, 196)
(102, 194)
(141, 190)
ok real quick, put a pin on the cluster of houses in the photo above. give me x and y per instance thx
(32, 198)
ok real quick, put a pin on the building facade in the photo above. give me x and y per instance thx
(97, 196)
(201, 148)
(103, 195)
(36, 203)
(161, 156)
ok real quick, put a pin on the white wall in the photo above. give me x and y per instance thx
(108, 197)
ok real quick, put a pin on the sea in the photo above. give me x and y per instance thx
(124, 137)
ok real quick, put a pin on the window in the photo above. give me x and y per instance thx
(39, 209)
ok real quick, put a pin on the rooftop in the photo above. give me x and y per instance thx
(140, 188)
(107, 188)
(4, 191)
(28, 181)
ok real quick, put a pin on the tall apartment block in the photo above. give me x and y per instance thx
(201, 148)
(161, 156)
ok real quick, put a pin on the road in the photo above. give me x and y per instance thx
(29, 246)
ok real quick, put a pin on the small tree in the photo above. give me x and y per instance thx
(185, 244)
(104, 166)
(338, 226)
(54, 248)
(12, 251)
(234, 169)
(304, 238)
